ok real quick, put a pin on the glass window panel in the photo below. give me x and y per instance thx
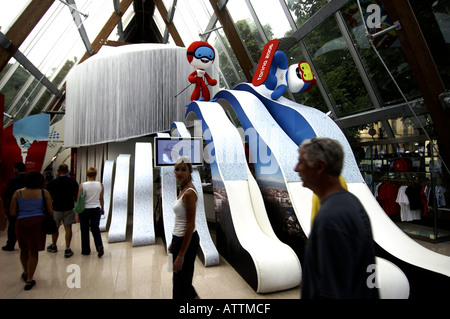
(412, 126)
(206, 5)
(390, 50)
(191, 20)
(246, 28)
(337, 69)
(195, 14)
(99, 13)
(168, 4)
(402, 127)
(26, 101)
(12, 88)
(302, 10)
(186, 31)
(313, 97)
(54, 46)
(272, 18)
(54, 40)
(10, 11)
(127, 18)
(434, 20)
(227, 67)
(159, 21)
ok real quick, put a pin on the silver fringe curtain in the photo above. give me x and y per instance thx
(125, 92)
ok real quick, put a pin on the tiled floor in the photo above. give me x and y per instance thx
(125, 272)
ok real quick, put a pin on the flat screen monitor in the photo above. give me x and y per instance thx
(168, 149)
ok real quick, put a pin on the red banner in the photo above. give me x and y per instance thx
(262, 71)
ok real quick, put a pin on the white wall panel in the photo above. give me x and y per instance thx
(143, 228)
(108, 178)
(117, 230)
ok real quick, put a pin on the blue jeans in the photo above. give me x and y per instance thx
(90, 219)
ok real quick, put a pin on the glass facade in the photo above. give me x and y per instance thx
(434, 20)
(335, 48)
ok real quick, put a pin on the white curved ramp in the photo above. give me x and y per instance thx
(271, 139)
(208, 253)
(266, 137)
(118, 228)
(427, 272)
(108, 178)
(143, 228)
(168, 197)
(390, 279)
(265, 263)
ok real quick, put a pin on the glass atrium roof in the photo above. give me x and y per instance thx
(353, 85)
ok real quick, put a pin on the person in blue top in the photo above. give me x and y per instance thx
(27, 205)
(18, 181)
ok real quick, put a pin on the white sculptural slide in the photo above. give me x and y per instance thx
(143, 228)
(118, 228)
(265, 262)
(108, 173)
(412, 266)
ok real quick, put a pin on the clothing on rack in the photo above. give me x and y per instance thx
(387, 195)
(407, 214)
(410, 201)
(440, 197)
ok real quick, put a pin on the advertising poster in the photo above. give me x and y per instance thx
(279, 207)
(25, 141)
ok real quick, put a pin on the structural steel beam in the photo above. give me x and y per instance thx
(320, 16)
(169, 24)
(99, 41)
(22, 27)
(423, 67)
(80, 26)
(234, 39)
(109, 26)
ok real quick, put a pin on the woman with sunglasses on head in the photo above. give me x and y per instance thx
(185, 240)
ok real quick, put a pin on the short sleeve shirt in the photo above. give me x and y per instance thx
(340, 251)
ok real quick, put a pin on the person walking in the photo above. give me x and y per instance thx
(90, 217)
(340, 247)
(27, 205)
(64, 190)
(15, 183)
(185, 239)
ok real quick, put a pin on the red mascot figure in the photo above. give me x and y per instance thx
(201, 56)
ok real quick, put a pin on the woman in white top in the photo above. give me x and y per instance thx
(185, 240)
(90, 217)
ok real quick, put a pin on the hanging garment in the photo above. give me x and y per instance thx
(414, 197)
(406, 214)
(387, 194)
(440, 197)
(424, 199)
